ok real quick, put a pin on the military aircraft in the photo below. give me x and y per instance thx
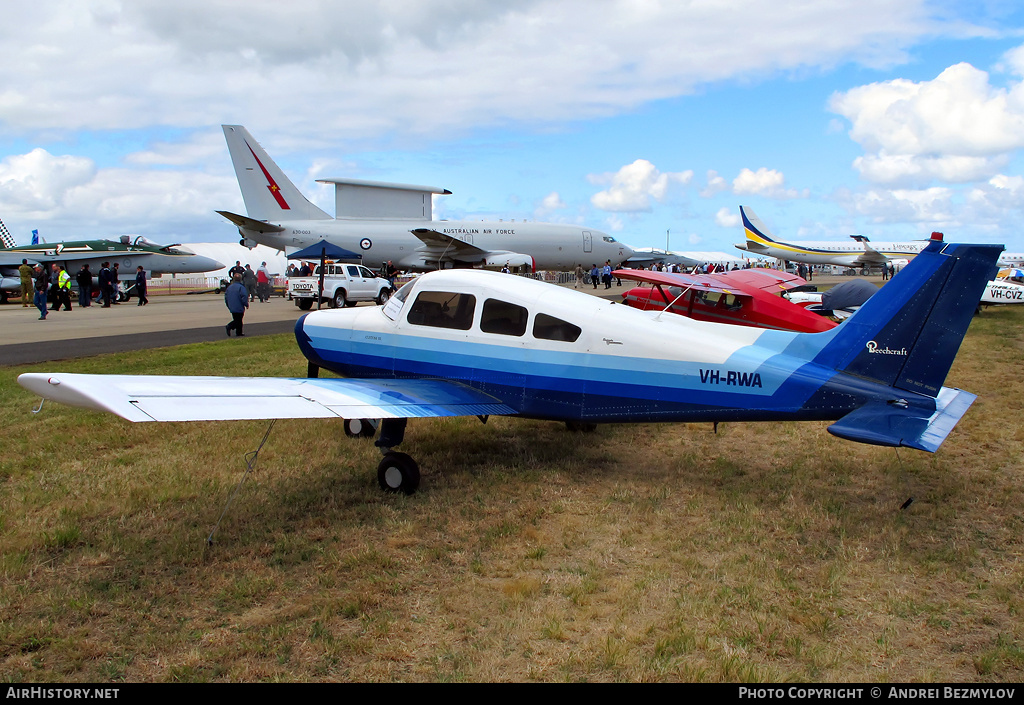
(129, 253)
(470, 342)
(859, 253)
(745, 297)
(392, 222)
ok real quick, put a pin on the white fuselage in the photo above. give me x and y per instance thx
(552, 246)
(852, 254)
(1003, 291)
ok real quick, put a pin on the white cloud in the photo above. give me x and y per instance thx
(727, 218)
(634, 186)
(69, 194)
(769, 183)
(956, 128)
(716, 184)
(39, 181)
(354, 69)
(932, 205)
(549, 204)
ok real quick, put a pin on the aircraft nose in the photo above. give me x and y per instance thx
(198, 263)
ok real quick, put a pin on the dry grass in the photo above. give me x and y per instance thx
(768, 552)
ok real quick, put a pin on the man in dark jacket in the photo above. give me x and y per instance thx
(84, 280)
(41, 284)
(236, 298)
(140, 285)
(105, 284)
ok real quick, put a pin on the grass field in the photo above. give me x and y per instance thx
(767, 552)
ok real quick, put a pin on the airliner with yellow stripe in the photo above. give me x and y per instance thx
(858, 253)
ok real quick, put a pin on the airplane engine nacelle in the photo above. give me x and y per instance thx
(246, 242)
(512, 259)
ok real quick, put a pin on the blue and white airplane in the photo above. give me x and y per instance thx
(471, 342)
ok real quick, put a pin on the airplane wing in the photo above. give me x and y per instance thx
(59, 256)
(870, 257)
(448, 246)
(159, 398)
(442, 248)
(698, 282)
(764, 279)
(885, 424)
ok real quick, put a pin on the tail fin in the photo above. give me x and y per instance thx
(758, 235)
(5, 236)
(267, 192)
(907, 336)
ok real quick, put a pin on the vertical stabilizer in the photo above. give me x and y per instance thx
(756, 231)
(268, 194)
(908, 335)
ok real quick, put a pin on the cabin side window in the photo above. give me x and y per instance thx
(547, 327)
(503, 318)
(443, 309)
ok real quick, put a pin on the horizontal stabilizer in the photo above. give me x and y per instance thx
(156, 398)
(883, 424)
(248, 223)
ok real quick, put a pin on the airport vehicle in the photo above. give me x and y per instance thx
(128, 252)
(343, 285)
(745, 297)
(860, 253)
(392, 222)
(467, 342)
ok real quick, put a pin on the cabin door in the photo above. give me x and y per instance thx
(588, 241)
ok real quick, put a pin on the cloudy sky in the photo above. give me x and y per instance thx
(644, 118)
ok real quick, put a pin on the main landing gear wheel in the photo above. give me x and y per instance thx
(398, 472)
(580, 427)
(360, 428)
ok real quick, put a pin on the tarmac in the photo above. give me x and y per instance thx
(166, 321)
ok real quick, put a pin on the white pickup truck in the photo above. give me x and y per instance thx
(344, 285)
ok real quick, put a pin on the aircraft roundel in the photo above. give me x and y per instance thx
(366, 243)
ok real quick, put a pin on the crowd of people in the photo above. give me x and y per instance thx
(52, 285)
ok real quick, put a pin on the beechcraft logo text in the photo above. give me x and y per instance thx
(873, 348)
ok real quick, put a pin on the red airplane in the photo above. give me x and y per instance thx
(744, 297)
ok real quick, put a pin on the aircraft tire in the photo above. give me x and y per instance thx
(339, 299)
(398, 472)
(580, 427)
(383, 296)
(360, 428)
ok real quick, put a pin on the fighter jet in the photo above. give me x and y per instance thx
(127, 252)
